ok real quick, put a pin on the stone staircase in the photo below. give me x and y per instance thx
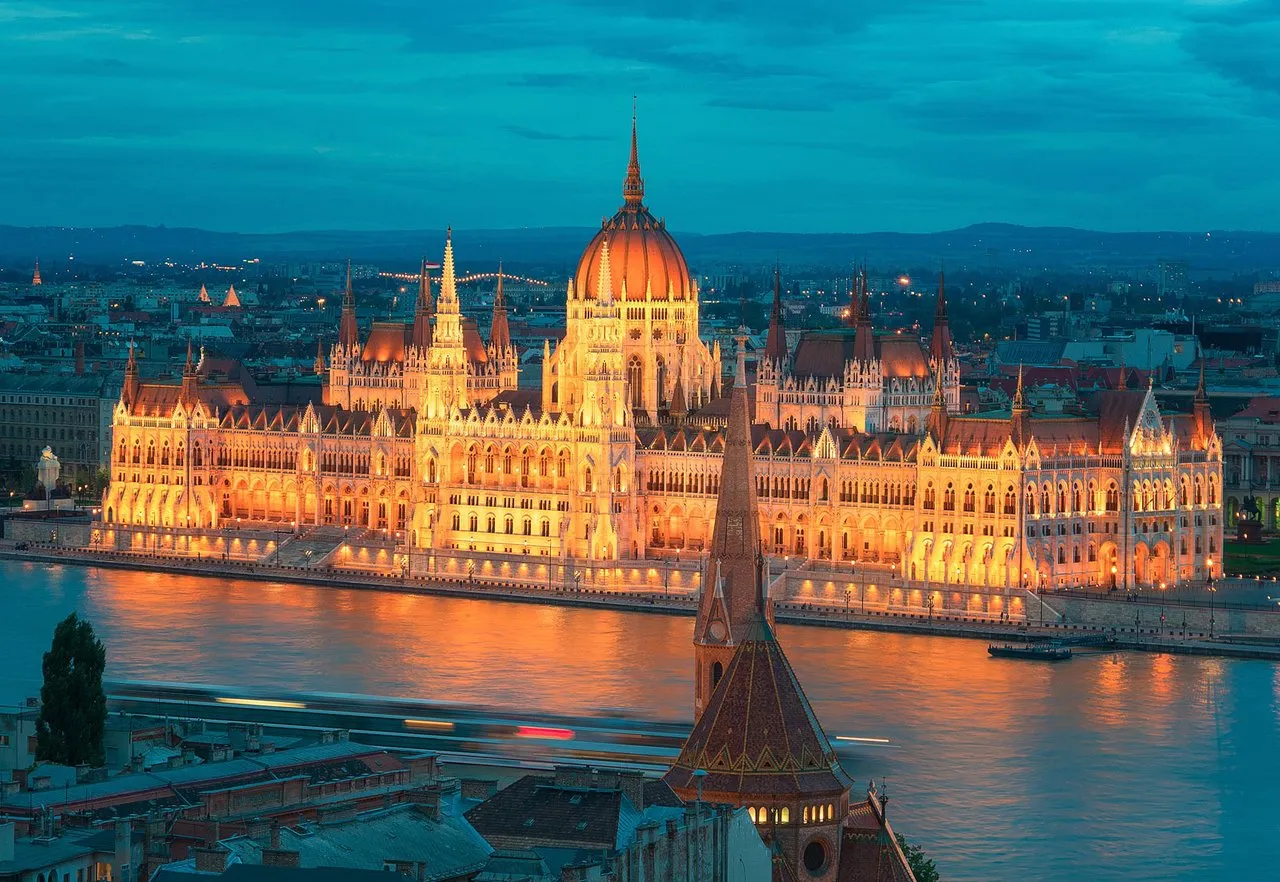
(313, 547)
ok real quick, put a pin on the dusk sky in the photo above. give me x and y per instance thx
(787, 115)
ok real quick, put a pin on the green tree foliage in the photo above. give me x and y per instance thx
(73, 709)
(921, 867)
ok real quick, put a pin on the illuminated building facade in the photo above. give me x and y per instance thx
(860, 454)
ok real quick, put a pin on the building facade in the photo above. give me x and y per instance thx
(860, 454)
(73, 414)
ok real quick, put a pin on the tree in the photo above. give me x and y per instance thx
(921, 867)
(73, 707)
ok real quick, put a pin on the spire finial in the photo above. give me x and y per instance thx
(190, 364)
(1200, 389)
(498, 296)
(1123, 382)
(633, 186)
(448, 280)
(1017, 395)
(348, 299)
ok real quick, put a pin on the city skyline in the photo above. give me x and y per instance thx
(908, 117)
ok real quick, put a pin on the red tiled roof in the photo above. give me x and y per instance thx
(825, 353)
(387, 342)
(1264, 408)
(758, 736)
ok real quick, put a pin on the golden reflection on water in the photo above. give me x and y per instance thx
(1163, 766)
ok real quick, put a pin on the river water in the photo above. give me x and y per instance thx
(1112, 766)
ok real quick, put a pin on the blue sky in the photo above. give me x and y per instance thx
(788, 115)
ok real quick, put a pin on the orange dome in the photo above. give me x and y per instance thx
(641, 251)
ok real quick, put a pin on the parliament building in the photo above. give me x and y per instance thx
(860, 452)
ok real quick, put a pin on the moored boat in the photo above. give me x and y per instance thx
(1037, 651)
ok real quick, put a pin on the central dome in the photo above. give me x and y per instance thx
(641, 251)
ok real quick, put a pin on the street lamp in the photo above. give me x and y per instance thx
(1212, 591)
(931, 608)
(848, 597)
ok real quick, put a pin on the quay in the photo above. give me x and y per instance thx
(1056, 616)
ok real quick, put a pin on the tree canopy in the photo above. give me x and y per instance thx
(922, 867)
(73, 706)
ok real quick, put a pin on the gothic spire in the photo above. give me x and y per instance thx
(604, 278)
(864, 340)
(1201, 415)
(318, 365)
(775, 346)
(941, 347)
(499, 331)
(448, 280)
(422, 313)
(36, 280)
(633, 186)
(348, 328)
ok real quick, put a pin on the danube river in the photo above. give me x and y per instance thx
(1114, 766)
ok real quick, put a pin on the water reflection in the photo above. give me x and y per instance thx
(1134, 766)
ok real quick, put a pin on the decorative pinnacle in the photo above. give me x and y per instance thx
(348, 300)
(633, 186)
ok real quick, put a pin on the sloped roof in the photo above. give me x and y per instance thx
(388, 342)
(825, 353)
(758, 736)
(1116, 408)
(535, 808)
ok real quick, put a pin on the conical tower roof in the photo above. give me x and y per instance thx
(758, 736)
(499, 330)
(232, 299)
(775, 346)
(348, 329)
(735, 560)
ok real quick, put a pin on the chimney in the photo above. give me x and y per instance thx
(281, 857)
(211, 860)
(124, 850)
(136, 763)
(478, 788)
(6, 841)
(428, 801)
(259, 830)
(275, 835)
(632, 786)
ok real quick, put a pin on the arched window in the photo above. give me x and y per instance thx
(1113, 497)
(661, 373)
(928, 496)
(457, 521)
(527, 526)
(474, 523)
(989, 500)
(545, 526)
(825, 490)
(717, 671)
(1045, 500)
(1213, 490)
(949, 498)
(635, 381)
(588, 483)
(1010, 501)
(508, 525)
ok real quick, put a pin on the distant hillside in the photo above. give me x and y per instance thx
(982, 246)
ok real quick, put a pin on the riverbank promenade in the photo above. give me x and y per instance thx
(814, 593)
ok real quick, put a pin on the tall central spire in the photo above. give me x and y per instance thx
(633, 186)
(499, 329)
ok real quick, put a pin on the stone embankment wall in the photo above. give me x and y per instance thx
(1252, 622)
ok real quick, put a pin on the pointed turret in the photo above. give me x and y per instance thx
(448, 278)
(941, 347)
(499, 331)
(203, 296)
(938, 414)
(604, 279)
(190, 380)
(422, 312)
(318, 364)
(1020, 412)
(1200, 414)
(232, 300)
(129, 392)
(864, 339)
(739, 591)
(35, 277)
(678, 409)
(775, 347)
(348, 329)
(1123, 381)
(633, 185)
